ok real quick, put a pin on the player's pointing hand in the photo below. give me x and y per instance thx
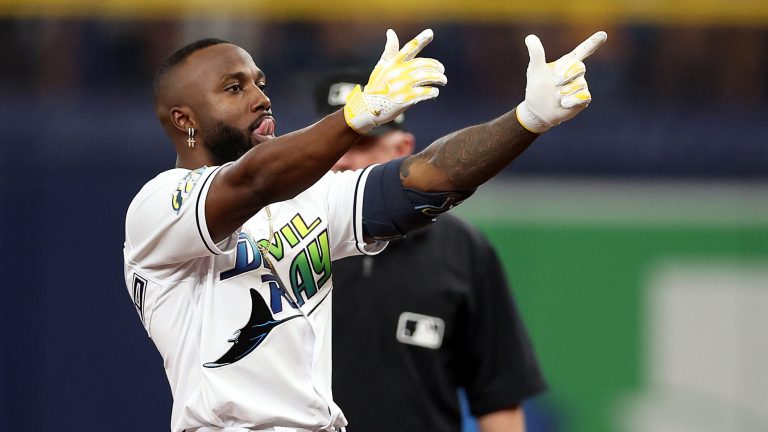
(556, 91)
(399, 81)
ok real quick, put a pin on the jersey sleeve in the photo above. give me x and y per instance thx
(502, 369)
(166, 221)
(345, 214)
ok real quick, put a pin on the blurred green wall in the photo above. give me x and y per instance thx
(581, 283)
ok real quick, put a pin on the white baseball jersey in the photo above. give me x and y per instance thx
(239, 352)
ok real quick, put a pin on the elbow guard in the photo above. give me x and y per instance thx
(391, 211)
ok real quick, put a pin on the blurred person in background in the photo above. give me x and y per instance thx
(430, 315)
(228, 256)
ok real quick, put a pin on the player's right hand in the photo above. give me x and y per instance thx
(398, 81)
(555, 91)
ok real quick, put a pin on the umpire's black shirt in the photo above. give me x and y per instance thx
(430, 314)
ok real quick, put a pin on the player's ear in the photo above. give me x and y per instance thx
(406, 144)
(182, 118)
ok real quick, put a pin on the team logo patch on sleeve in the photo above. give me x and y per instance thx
(185, 187)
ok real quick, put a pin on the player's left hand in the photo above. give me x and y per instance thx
(555, 91)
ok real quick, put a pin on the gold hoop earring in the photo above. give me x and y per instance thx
(191, 138)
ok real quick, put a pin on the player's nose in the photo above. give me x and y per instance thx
(260, 101)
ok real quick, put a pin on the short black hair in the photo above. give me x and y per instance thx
(178, 57)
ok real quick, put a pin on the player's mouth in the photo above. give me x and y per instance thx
(262, 129)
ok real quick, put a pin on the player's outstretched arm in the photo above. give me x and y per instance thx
(281, 168)
(555, 92)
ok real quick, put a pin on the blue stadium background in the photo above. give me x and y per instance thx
(79, 138)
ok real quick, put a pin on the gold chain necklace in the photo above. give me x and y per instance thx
(265, 253)
(263, 249)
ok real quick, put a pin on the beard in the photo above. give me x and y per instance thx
(226, 143)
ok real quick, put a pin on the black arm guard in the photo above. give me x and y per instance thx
(391, 211)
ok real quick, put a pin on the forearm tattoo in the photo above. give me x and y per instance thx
(471, 156)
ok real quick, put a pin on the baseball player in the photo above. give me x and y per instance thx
(228, 255)
(403, 349)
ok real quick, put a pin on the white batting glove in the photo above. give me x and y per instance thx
(398, 81)
(556, 91)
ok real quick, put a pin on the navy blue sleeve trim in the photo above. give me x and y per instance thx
(197, 213)
(358, 239)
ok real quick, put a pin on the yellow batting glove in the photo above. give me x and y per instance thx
(555, 91)
(399, 80)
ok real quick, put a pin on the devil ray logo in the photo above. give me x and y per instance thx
(252, 334)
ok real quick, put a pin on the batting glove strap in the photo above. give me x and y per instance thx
(531, 120)
(356, 112)
(363, 112)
